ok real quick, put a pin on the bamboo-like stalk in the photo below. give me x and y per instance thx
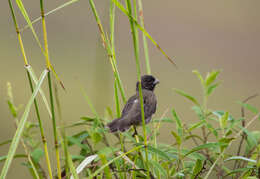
(47, 158)
(107, 47)
(55, 133)
(46, 153)
(146, 51)
(112, 45)
(126, 12)
(48, 66)
(138, 68)
(112, 27)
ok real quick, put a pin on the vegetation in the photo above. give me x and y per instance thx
(129, 157)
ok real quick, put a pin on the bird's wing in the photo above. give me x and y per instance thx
(150, 103)
(132, 113)
(129, 104)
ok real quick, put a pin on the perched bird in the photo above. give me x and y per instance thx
(131, 114)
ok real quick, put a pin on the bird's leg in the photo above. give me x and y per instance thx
(135, 132)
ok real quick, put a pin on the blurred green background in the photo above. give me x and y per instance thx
(202, 35)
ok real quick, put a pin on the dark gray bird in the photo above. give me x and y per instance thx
(131, 114)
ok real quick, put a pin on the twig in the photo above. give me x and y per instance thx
(244, 135)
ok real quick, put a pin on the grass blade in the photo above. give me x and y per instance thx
(21, 126)
(29, 22)
(34, 78)
(50, 12)
(125, 11)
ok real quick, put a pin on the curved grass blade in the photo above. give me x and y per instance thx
(34, 78)
(240, 158)
(3, 158)
(50, 12)
(146, 51)
(21, 126)
(29, 22)
(125, 11)
(84, 163)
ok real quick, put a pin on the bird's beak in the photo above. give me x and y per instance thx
(156, 82)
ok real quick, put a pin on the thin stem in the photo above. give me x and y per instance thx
(54, 127)
(48, 66)
(47, 158)
(107, 46)
(146, 51)
(138, 68)
(48, 63)
(31, 86)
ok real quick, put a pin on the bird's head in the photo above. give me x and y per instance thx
(148, 82)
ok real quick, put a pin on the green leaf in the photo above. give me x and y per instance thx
(212, 129)
(225, 142)
(96, 137)
(12, 108)
(76, 141)
(211, 88)
(178, 123)
(196, 72)
(79, 136)
(6, 142)
(196, 125)
(211, 77)
(77, 157)
(249, 107)
(158, 152)
(221, 113)
(37, 154)
(193, 136)
(203, 146)
(240, 158)
(88, 119)
(177, 137)
(223, 121)
(157, 166)
(189, 97)
(197, 168)
(252, 138)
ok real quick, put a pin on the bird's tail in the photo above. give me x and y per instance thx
(118, 124)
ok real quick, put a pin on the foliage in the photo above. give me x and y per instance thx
(130, 157)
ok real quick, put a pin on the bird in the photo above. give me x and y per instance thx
(131, 113)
